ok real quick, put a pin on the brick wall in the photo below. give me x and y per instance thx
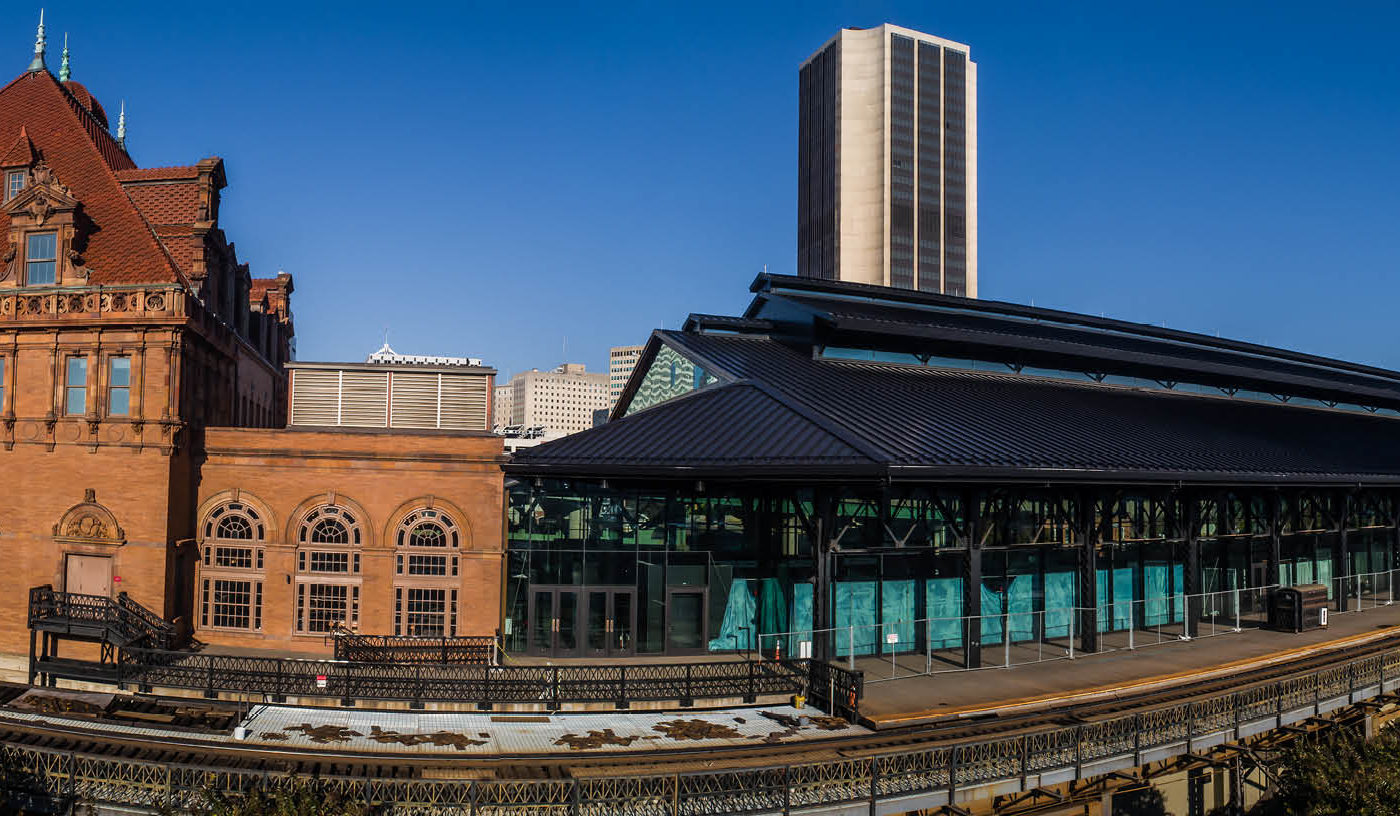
(376, 478)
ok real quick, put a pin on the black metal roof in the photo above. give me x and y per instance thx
(727, 429)
(829, 418)
(781, 411)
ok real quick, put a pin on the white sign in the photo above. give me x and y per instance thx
(320, 681)
(1323, 620)
(804, 649)
(892, 637)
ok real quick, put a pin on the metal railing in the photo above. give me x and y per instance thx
(470, 650)
(486, 685)
(933, 645)
(121, 621)
(906, 779)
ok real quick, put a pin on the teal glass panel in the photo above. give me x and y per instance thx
(1020, 608)
(1122, 598)
(1059, 603)
(772, 618)
(801, 618)
(897, 615)
(944, 602)
(855, 617)
(736, 631)
(993, 606)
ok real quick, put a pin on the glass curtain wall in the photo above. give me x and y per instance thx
(687, 571)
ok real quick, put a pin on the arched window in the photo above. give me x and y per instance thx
(328, 569)
(231, 568)
(425, 568)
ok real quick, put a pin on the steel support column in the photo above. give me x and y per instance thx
(820, 524)
(972, 581)
(1341, 557)
(1275, 539)
(1191, 540)
(1088, 601)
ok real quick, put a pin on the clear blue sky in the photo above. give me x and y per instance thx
(488, 180)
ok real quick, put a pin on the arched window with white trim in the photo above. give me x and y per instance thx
(232, 551)
(329, 540)
(426, 562)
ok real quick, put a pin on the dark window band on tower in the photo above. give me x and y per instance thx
(816, 200)
(901, 169)
(955, 171)
(930, 200)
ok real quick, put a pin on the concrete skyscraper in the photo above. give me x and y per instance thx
(887, 162)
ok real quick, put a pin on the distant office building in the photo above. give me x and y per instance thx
(887, 162)
(552, 403)
(621, 361)
(502, 405)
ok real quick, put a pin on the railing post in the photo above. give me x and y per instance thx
(751, 696)
(209, 677)
(787, 790)
(554, 687)
(874, 783)
(1137, 737)
(689, 698)
(623, 701)
(952, 773)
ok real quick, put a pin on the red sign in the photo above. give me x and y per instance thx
(117, 578)
(320, 681)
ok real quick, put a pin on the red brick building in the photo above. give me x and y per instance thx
(128, 329)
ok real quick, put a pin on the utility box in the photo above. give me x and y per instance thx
(1298, 608)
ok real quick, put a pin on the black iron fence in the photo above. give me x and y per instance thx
(907, 779)
(486, 685)
(120, 621)
(470, 650)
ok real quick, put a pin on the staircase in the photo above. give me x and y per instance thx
(116, 623)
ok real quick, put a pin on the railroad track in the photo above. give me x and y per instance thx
(186, 748)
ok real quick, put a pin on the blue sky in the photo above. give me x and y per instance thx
(498, 180)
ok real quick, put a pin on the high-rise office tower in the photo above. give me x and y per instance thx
(887, 162)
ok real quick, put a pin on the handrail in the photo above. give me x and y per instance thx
(123, 616)
(485, 684)
(457, 649)
(912, 779)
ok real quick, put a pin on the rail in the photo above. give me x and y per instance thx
(121, 621)
(470, 650)
(487, 685)
(905, 780)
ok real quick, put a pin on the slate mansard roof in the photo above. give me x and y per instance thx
(781, 409)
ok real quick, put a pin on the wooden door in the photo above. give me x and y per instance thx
(89, 575)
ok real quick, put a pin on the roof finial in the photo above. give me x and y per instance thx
(64, 72)
(37, 64)
(121, 126)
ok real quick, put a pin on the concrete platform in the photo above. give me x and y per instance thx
(925, 699)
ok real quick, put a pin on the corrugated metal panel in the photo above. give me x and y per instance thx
(729, 424)
(315, 397)
(970, 422)
(364, 399)
(463, 402)
(415, 400)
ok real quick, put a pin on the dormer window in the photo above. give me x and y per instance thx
(40, 258)
(14, 182)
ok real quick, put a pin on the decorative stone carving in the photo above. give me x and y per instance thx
(89, 523)
(86, 526)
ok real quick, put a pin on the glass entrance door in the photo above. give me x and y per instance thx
(610, 620)
(686, 624)
(554, 622)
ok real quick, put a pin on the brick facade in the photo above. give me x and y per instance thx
(280, 481)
